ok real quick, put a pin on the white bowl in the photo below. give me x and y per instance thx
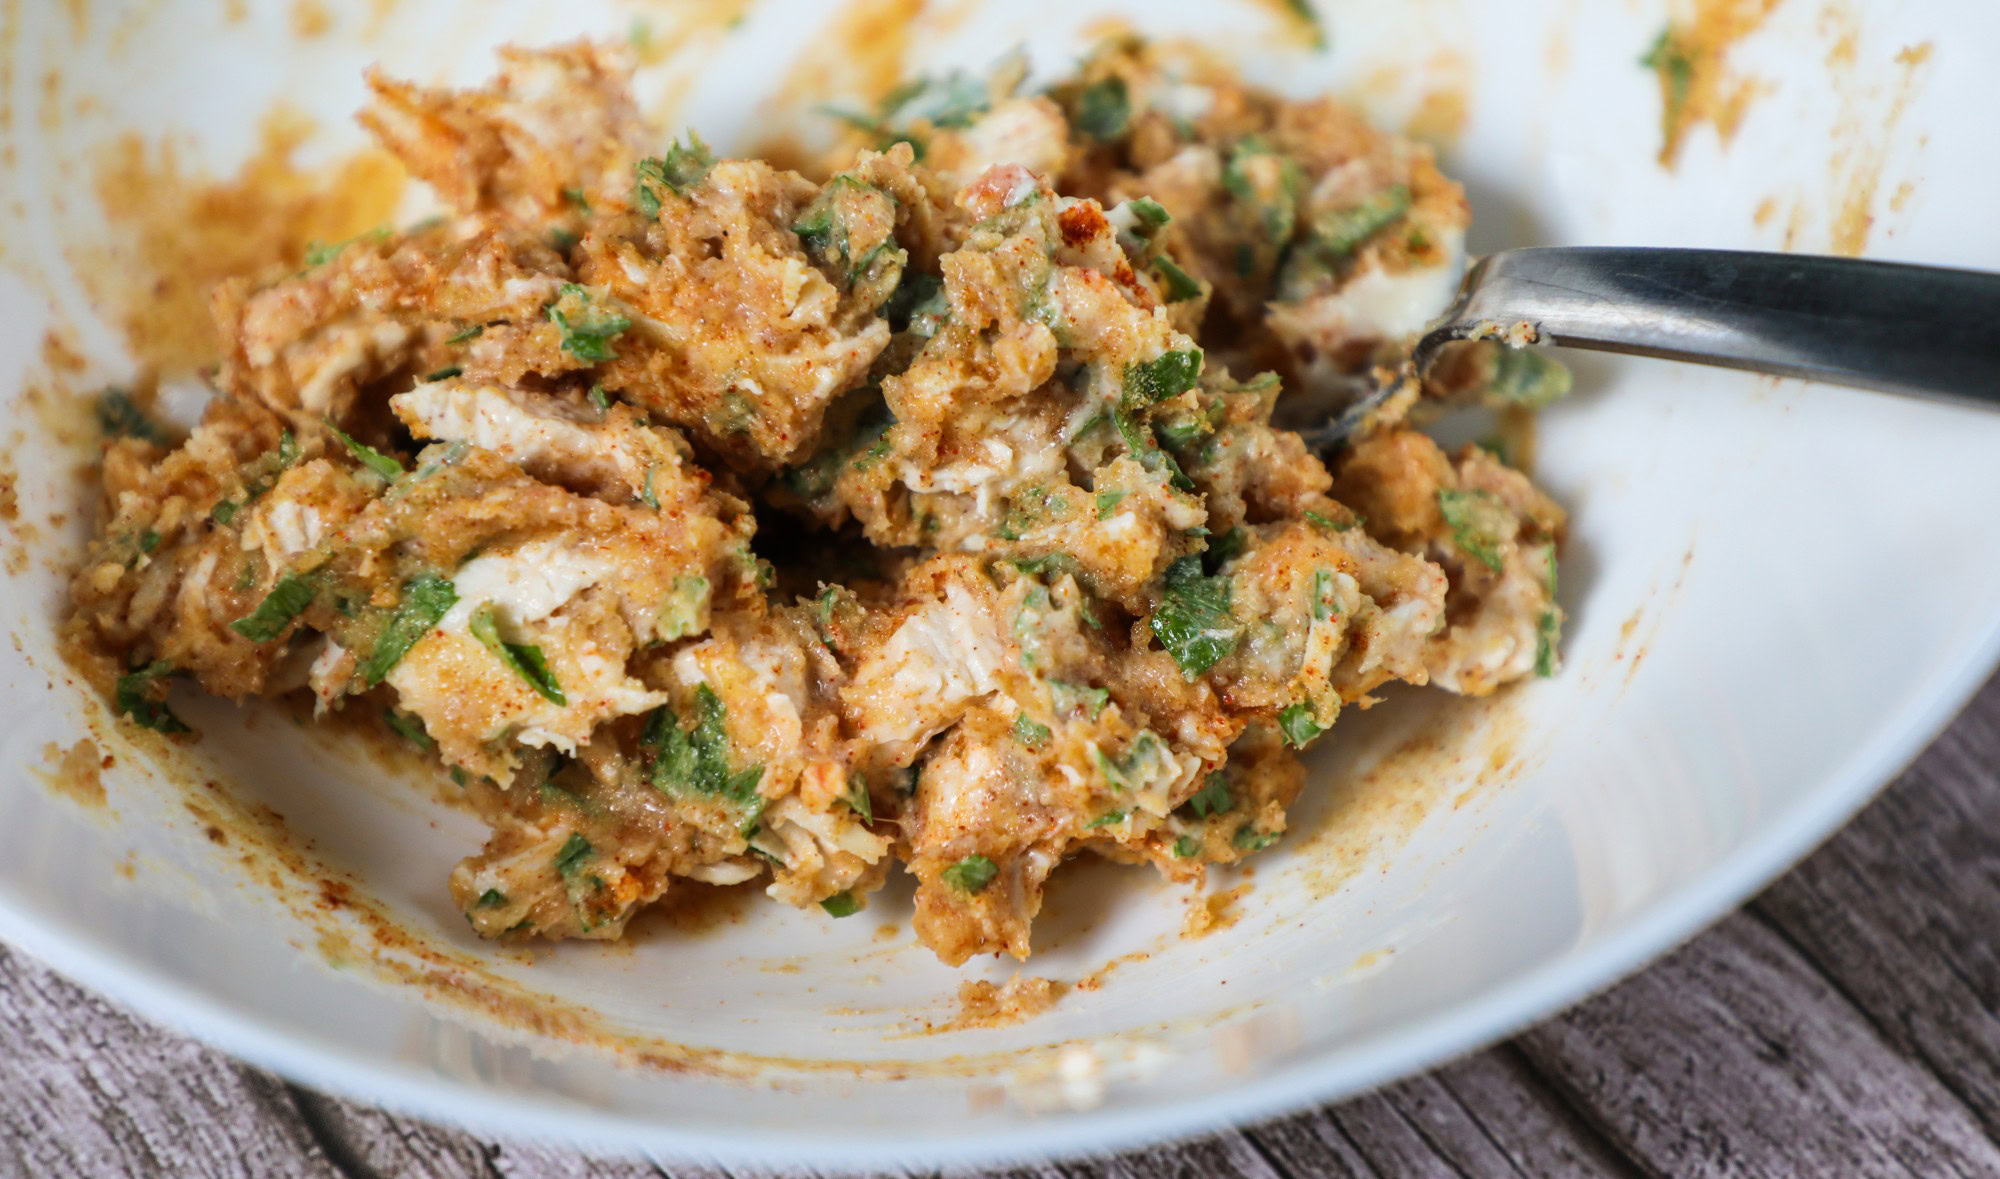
(1779, 593)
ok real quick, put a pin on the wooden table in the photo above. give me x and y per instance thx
(1843, 1023)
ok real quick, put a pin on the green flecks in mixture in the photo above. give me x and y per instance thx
(1298, 725)
(118, 416)
(1213, 798)
(426, 600)
(1169, 374)
(678, 171)
(384, 465)
(857, 798)
(587, 329)
(1479, 524)
(685, 609)
(1030, 732)
(141, 695)
(1525, 377)
(1176, 285)
(523, 659)
(286, 601)
(1071, 698)
(1193, 622)
(409, 727)
(1103, 109)
(696, 760)
(971, 874)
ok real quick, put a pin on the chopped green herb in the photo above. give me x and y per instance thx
(562, 241)
(919, 305)
(148, 541)
(1339, 233)
(1213, 798)
(286, 601)
(1225, 548)
(570, 858)
(1105, 820)
(1107, 502)
(841, 904)
(1525, 377)
(577, 197)
(467, 333)
(141, 695)
(1151, 215)
(1103, 109)
(646, 495)
(681, 169)
(384, 465)
(1548, 628)
(1051, 565)
(1030, 732)
(320, 253)
(1193, 621)
(410, 728)
(426, 600)
(951, 101)
(1323, 604)
(587, 329)
(1067, 697)
(681, 613)
(1168, 375)
(1187, 847)
(523, 659)
(971, 874)
(492, 898)
(857, 799)
(1146, 449)
(224, 511)
(1297, 724)
(458, 776)
(600, 399)
(1331, 525)
(1248, 838)
(1479, 524)
(120, 417)
(697, 759)
(1270, 183)
(1177, 284)
(444, 374)
(1303, 10)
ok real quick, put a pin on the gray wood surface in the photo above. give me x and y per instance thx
(1844, 1023)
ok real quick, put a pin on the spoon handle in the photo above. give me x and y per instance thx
(1892, 326)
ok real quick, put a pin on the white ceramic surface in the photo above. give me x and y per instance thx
(1778, 594)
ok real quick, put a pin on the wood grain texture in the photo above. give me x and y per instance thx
(1845, 1023)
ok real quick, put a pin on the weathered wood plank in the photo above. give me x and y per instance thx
(1902, 910)
(1483, 1115)
(1846, 1025)
(90, 1090)
(1733, 1057)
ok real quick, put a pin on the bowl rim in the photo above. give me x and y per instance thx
(1364, 1062)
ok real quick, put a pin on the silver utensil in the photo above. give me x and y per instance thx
(1926, 331)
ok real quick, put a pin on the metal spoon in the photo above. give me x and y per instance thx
(1920, 330)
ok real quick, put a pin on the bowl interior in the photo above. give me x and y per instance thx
(1776, 593)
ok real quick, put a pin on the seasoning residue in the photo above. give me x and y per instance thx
(982, 1004)
(76, 773)
(1690, 58)
(176, 231)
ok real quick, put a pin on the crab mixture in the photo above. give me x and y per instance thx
(707, 521)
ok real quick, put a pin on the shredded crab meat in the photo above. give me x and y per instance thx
(1037, 575)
